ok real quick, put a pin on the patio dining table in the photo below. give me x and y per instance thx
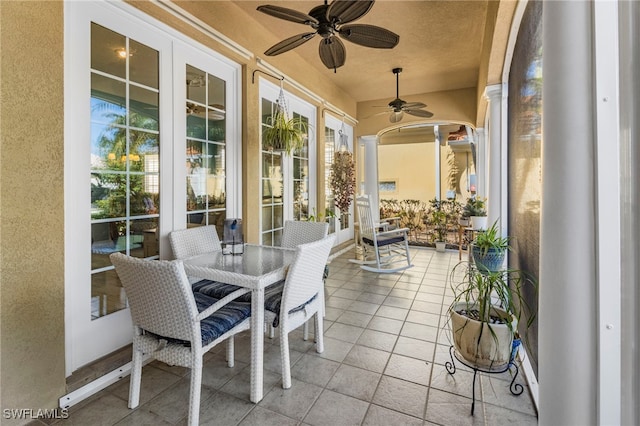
(256, 268)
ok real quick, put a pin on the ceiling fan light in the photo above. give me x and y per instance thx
(396, 116)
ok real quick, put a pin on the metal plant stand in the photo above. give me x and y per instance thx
(515, 388)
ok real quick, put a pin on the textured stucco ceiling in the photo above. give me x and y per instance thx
(440, 46)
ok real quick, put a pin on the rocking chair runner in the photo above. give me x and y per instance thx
(385, 251)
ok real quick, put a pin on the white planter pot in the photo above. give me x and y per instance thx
(478, 222)
(441, 246)
(463, 222)
(482, 345)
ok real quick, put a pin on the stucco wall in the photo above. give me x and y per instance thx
(31, 199)
(411, 166)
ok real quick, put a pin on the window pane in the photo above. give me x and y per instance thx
(196, 85)
(216, 179)
(267, 217)
(108, 100)
(267, 239)
(277, 238)
(143, 64)
(144, 108)
(107, 294)
(108, 51)
(195, 219)
(216, 93)
(277, 216)
(108, 195)
(267, 110)
(216, 125)
(143, 237)
(196, 126)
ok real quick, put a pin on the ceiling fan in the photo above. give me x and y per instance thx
(399, 107)
(329, 20)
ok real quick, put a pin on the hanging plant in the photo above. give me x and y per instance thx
(285, 134)
(343, 180)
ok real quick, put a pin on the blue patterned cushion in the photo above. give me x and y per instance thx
(218, 323)
(384, 241)
(273, 300)
(218, 290)
(222, 320)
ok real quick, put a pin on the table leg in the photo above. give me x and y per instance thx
(257, 344)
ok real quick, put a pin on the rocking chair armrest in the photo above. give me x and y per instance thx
(393, 231)
(221, 303)
(388, 219)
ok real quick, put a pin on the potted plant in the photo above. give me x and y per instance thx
(284, 134)
(475, 210)
(489, 249)
(438, 219)
(485, 314)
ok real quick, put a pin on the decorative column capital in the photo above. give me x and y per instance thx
(493, 92)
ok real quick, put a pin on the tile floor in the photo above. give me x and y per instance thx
(386, 342)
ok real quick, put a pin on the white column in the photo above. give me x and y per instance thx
(481, 163)
(370, 164)
(438, 167)
(493, 94)
(567, 314)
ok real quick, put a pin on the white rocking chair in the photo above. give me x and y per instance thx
(384, 251)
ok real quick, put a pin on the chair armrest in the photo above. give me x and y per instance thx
(222, 302)
(385, 219)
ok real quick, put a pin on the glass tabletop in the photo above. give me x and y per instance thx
(255, 261)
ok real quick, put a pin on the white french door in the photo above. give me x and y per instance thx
(288, 182)
(127, 124)
(207, 139)
(342, 223)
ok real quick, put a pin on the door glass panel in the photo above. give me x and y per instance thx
(108, 51)
(196, 85)
(300, 177)
(143, 64)
(107, 294)
(206, 149)
(144, 108)
(272, 185)
(124, 160)
(329, 150)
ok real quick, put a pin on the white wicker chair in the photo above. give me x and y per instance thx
(301, 298)
(298, 232)
(198, 240)
(384, 251)
(193, 241)
(173, 324)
